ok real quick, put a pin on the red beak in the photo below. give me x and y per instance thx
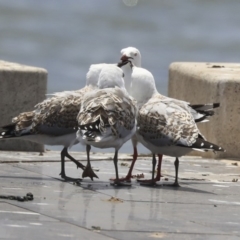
(124, 58)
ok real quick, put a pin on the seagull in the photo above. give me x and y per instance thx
(107, 118)
(201, 112)
(54, 121)
(165, 125)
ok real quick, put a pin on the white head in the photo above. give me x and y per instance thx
(132, 54)
(93, 74)
(111, 76)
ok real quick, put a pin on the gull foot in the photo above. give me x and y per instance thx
(69, 179)
(147, 182)
(175, 184)
(88, 172)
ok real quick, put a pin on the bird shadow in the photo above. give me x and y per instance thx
(103, 185)
(29, 178)
(180, 188)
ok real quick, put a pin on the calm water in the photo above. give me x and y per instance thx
(65, 37)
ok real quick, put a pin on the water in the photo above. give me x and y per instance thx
(65, 37)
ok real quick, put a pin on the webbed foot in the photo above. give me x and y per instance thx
(88, 172)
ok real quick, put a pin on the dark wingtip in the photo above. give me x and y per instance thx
(201, 144)
(215, 105)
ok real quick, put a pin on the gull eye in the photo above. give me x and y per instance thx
(135, 54)
(123, 75)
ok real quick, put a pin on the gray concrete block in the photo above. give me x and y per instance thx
(211, 82)
(21, 87)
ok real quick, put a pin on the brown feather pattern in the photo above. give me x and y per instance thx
(112, 107)
(58, 111)
(159, 118)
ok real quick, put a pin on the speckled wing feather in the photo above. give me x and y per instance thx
(164, 122)
(59, 111)
(112, 108)
(55, 115)
(200, 112)
(23, 120)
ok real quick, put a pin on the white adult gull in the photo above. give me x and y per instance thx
(200, 112)
(107, 118)
(164, 125)
(54, 121)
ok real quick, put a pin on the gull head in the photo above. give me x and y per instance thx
(111, 76)
(131, 54)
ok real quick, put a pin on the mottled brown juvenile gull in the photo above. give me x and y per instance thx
(54, 120)
(164, 125)
(107, 118)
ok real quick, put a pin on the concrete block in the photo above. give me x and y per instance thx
(21, 87)
(211, 82)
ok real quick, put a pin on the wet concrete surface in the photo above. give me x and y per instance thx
(206, 206)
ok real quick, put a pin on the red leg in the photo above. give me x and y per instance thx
(135, 155)
(129, 175)
(158, 177)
